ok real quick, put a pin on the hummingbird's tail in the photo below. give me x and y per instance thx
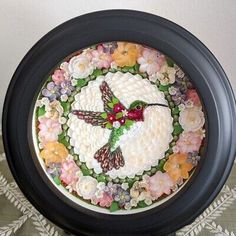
(108, 159)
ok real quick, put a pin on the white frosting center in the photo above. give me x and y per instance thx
(143, 145)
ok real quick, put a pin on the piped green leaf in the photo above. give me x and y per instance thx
(119, 115)
(178, 129)
(115, 100)
(170, 62)
(164, 88)
(136, 67)
(110, 104)
(66, 106)
(101, 178)
(85, 170)
(57, 180)
(161, 165)
(128, 123)
(175, 111)
(41, 111)
(114, 206)
(81, 83)
(97, 72)
(142, 204)
(109, 125)
(104, 115)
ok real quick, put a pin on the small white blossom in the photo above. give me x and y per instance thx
(73, 82)
(134, 202)
(101, 185)
(166, 75)
(39, 103)
(116, 124)
(189, 103)
(153, 78)
(172, 90)
(64, 97)
(69, 188)
(62, 120)
(125, 186)
(148, 201)
(125, 112)
(99, 194)
(128, 206)
(45, 101)
(181, 107)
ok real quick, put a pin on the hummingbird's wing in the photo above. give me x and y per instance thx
(91, 117)
(108, 97)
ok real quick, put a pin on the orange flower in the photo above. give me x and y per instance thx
(54, 152)
(126, 54)
(177, 166)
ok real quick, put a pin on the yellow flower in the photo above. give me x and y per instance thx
(177, 166)
(126, 54)
(54, 152)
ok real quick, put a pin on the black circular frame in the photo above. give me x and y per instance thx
(143, 28)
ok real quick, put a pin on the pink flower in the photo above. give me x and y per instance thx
(49, 129)
(160, 184)
(150, 61)
(69, 172)
(101, 59)
(193, 96)
(106, 200)
(58, 76)
(189, 142)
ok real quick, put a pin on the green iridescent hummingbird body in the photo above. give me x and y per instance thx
(116, 117)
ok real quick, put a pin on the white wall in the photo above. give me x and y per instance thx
(23, 22)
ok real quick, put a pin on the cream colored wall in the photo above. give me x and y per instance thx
(23, 22)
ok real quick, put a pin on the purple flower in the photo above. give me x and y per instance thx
(54, 169)
(193, 158)
(51, 91)
(178, 97)
(122, 196)
(109, 47)
(67, 88)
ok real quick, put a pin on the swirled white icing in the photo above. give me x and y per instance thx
(143, 145)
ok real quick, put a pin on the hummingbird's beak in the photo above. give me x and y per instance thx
(157, 104)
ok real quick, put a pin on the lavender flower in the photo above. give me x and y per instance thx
(122, 196)
(52, 91)
(193, 158)
(178, 97)
(109, 47)
(67, 88)
(54, 169)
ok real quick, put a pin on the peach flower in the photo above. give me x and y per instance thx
(54, 152)
(125, 54)
(177, 166)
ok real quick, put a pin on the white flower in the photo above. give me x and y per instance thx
(125, 186)
(116, 124)
(64, 97)
(41, 146)
(62, 120)
(181, 107)
(99, 194)
(124, 112)
(101, 185)
(64, 66)
(80, 66)
(128, 206)
(69, 188)
(153, 78)
(73, 82)
(134, 202)
(172, 90)
(86, 187)
(148, 201)
(189, 104)
(39, 103)
(113, 65)
(166, 75)
(45, 101)
(191, 119)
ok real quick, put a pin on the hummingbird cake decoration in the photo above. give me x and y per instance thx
(118, 127)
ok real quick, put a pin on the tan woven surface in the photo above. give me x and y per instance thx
(19, 217)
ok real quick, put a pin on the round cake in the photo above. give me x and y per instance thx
(118, 127)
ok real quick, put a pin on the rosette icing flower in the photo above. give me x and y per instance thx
(54, 110)
(101, 59)
(150, 61)
(125, 54)
(51, 91)
(86, 187)
(69, 172)
(49, 129)
(193, 96)
(58, 76)
(191, 119)
(80, 66)
(189, 142)
(54, 152)
(166, 75)
(160, 184)
(177, 166)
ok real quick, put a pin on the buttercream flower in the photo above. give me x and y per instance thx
(166, 75)
(116, 124)
(67, 88)
(125, 54)
(51, 91)
(150, 61)
(160, 184)
(189, 142)
(58, 76)
(54, 152)
(177, 166)
(139, 190)
(106, 200)
(80, 66)
(54, 169)
(193, 158)
(101, 59)
(86, 187)
(191, 119)
(49, 129)
(109, 47)
(68, 172)
(193, 96)
(54, 110)
(122, 196)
